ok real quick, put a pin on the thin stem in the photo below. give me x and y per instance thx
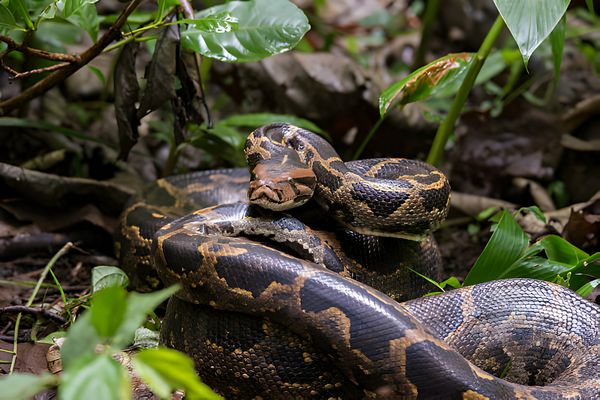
(447, 126)
(21, 75)
(36, 289)
(431, 11)
(368, 138)
(12, 45)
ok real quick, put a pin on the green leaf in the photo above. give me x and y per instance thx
(590, 5)
(24, 386)
(221, 140)
(452, 282)
(98, 73)
(557, 41)
(139, 305)
(7, 20)
(507, 245)
(81, 340)
(534, 268)
(558, 249)
(449, 70)
(254, 120)
(221, 22)
(531, 21)
(535, 210)
(163, 9)
(104, 276)
(108, 310)
(165, 370)
(265, 27)
(428, 279)
(95, 377)
(19, 9)
(588, 288)
(83, 14)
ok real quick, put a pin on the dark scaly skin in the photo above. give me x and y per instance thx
(386, 197)
(279, 327)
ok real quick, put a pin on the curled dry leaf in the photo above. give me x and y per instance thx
(583, 227)
(126, 96)
(444, 74)
(160, 78)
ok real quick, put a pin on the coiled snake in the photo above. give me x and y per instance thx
(286, 319)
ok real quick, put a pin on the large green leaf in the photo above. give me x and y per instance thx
(558, 249)
(108, 310)
(165, 370)
(19, 9)
(82, 13)
(264, 27)
(531, 21)
(139, 305)
(534, 268)
(95, 377)
(7, 20)
(24, 386)
(81, 340)
(507, 244)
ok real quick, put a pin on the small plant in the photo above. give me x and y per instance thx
(508, 254)
(529, 22)
(89, 367)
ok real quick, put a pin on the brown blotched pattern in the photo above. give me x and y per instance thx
(283, 318)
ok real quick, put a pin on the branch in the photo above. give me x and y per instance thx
(58, 76)
(12, 45)
(19, 75)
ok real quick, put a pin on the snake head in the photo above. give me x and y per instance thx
(277, 187)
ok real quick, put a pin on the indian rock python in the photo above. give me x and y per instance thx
(263, 323)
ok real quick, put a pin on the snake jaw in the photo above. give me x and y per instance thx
(278, 196)
(278, 188)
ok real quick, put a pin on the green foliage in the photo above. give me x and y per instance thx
(104, 276)
(7, 20)
(24, 386)
(89, 369)
(508, 255)
(166, 370)
(228, 136)
(246, 31)
(506, 245)
(531, 21)
(95, 377)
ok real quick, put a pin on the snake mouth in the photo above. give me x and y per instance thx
(278, 196)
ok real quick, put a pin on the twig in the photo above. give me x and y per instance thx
(20, 75)
(41, 279)
(12, 45)
(45, 84)
(33, 311)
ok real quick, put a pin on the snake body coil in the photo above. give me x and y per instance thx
(261, 322)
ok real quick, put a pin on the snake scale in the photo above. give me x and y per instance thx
(272, 304)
